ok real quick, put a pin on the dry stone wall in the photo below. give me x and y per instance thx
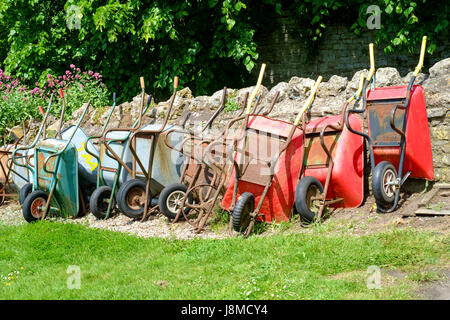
(195, 111)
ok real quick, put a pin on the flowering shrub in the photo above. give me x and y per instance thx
(18, 102)
(78, 87)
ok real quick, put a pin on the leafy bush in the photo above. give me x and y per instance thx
(206, 43)
(78, 87)
(19, 103)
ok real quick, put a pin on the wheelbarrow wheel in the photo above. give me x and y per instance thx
(131, 198)
(33, 205)
(24, 192)
(100, 200)
(383, 176)
(305, 204)
(171, 198)
(242, 210)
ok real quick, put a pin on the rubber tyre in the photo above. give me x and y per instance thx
(123, 194)
(378, 176)
(98, 202)
(30, 202)
(24, 192)
(241, 215)
(165, 195)
(301, 197)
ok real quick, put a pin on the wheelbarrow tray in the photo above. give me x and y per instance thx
(265, 137)
(65, 197)
(87, 164)
(5, 153)
(386, 142)
(167, 162)
(17, 173)
(347, 150)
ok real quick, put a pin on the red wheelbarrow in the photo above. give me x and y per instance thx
(398, 137)
(265, 170)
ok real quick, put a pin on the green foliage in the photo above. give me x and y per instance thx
(205, 43)
(18, 102)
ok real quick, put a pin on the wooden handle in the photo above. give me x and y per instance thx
(422, 55)
(175, 83)
(142, 83)
(372, 62)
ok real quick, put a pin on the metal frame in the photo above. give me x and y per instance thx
(401, 177)
(104, 141)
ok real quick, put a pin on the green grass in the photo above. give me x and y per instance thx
(34, 259)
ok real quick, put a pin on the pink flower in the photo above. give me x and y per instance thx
(72, 66)
(90, 72)
(4, 97)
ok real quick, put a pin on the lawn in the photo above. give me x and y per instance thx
(34, 259)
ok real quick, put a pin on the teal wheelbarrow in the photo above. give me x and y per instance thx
(55, 180)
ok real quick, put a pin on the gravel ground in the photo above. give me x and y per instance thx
(357, 221)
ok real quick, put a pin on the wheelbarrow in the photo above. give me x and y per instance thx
(23, 168)
(110, 174)
(10, 177)
(398, 137)
(172, 198)
(55, 180)
(265, 170)
(332, 174)
(202, 181)
(153, 166)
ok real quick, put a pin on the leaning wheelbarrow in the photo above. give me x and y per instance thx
(23, 168)
(8, 174)
(110, 175)
(332, 174)
(153, 166)
(172, 198)
(55, 180)
(398, 137)
(265, 170)
(203, 181)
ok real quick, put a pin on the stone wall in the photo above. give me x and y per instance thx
(340, 52)
(330, 99)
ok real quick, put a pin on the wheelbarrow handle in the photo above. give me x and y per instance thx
(68, 141)
(218, 111)
(256, 90)
(372, 63)
(36, 139)
(359, 91)
(309, 101)
(422, 55)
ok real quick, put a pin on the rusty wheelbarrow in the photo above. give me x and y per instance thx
(265, 170)
(398, 137)
(333, 162)
(153, 166)
(11, 177)
(109, 174)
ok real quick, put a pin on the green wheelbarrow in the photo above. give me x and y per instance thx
(55, 179)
